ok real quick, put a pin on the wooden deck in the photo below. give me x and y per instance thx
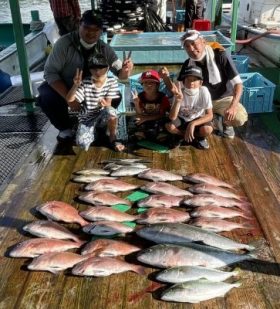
(251, 162)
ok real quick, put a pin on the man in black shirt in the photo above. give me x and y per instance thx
(221, 78)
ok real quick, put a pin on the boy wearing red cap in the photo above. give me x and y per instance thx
(151, 107)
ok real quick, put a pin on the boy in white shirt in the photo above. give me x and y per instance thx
(191, 112)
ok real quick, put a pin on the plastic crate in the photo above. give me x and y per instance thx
(180, 16)
(241, 62)
(201, 24)
(257, 94)
(122, 107)
(134, 83)
(160, 47)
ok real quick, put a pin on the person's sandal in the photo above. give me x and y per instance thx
(116, 144)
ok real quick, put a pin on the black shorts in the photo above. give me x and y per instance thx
(181, 124)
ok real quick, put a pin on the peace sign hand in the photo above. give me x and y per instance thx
(77, 80)
(178, 91)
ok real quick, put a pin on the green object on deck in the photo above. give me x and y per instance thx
(137, 196)
(153, 146)
(130, 224)
(22, 56)
(121, 207)
(140, 210)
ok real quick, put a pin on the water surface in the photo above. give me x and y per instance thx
(26, 6)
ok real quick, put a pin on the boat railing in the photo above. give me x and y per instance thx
(273, 12)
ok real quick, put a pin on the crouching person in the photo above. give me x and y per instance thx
(191, 112)
(151, 107)
(92, 96)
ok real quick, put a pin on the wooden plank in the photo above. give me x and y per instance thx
(233, 161)
(266, 206)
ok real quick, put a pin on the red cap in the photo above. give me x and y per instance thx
(150, 75)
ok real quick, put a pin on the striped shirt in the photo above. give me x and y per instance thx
(62, 8)
(89, 95)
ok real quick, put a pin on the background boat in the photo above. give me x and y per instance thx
(259, 26)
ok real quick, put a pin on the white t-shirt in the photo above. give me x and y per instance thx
(193, 107)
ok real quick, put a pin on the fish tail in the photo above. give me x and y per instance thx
(237, 284)
(245, 206)
(236, 271)
(141, 270)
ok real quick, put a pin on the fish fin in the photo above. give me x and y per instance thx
(236, 271)
(237, 284)
(141, 270)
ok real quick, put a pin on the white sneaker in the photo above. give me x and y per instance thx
(65, 135)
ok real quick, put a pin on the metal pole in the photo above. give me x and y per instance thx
(94, 4)
(235, 7)
(22, 56)
(213, 12)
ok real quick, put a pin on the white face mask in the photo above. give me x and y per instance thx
(86, 45)
(191, 91)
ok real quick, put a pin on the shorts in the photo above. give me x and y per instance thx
(181, 124)
(86, 132)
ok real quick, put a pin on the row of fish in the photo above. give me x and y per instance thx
(191, 267)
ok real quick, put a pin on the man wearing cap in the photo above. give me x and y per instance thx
(221, 78)
(71, 52)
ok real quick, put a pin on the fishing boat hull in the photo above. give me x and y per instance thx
(35, 43)
(259, 25)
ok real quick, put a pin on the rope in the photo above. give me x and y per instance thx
(37, 25)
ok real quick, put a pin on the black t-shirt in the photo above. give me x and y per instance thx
(227, 70)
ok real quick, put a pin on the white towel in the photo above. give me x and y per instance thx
(213, 72)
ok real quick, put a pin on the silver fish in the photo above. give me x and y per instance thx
(110, 185)
(160, 200)
(158, 215)
(112, 166)
(92, 171)
(165, 188)
(128, 161)
(55, 261)
(182, 274)
(191, 254)
(50, 229)
(103, 213)
(103, 199)
(107, 228)
(104, 266)
(128, 171)
(179, 233)
(61, 211)
(204, 178)
(155, 174)
(202, 200)
(218, 225)
(197, 291)
(37, 246)
(109, 247)
(211, 189)
(90, 178)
